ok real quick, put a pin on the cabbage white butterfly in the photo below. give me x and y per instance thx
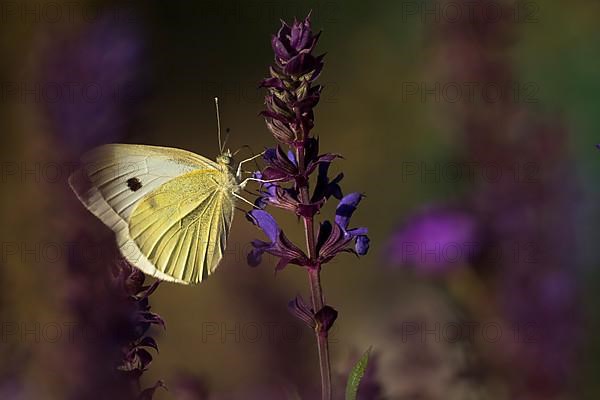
(171, 210)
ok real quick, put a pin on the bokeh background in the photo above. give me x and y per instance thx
(470, 127)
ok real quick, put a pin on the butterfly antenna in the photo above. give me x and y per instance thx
(226, 138)
(241, 148)
(251, 152)
(219, 125)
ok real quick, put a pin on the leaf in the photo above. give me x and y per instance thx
(358, 371)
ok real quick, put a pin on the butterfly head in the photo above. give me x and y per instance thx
(225, 158)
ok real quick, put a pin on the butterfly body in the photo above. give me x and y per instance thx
(171, 210)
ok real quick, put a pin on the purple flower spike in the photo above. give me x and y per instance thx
(289, 115)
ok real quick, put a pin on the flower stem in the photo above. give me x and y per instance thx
(314, 275)
(322, 340)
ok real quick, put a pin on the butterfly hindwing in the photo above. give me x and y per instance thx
(182, 226)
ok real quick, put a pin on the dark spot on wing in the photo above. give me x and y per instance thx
(134, 184)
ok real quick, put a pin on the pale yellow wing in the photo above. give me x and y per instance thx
(124, 173)
(182, 226)
(105, 185)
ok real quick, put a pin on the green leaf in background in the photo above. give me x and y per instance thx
(356, 375)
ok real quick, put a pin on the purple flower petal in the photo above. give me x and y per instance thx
(292, 157)
(272, 83)
(282, 263)
(346, 208)
(301, 35)
(254, 257)
(331, 240)
(362, 245)
(280, 246)
(266, 222)
(357, 231)
(281, 51)
(325, 188)
(335, 238)
(281, 165)
(324, 233)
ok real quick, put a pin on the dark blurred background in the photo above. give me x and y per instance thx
(470, 127)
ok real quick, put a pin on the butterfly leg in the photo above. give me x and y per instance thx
(245, 181)
(244, 200)
(239, 170)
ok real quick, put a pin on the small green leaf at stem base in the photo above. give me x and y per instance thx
(357, 373)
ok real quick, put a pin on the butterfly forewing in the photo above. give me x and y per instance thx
(124, 173)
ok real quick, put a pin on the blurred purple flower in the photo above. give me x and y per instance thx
(528, 217)
(189, 387)
(436, 240)
(113, 303)
(148, 394)
(98, 75)
(129, 283)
